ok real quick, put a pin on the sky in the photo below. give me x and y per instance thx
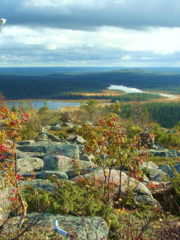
(129, 33)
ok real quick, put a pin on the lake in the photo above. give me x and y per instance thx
(53, 105)
(135, 90)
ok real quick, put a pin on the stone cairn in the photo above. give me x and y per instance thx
(67, 117)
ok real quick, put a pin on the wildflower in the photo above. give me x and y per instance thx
(120, 199)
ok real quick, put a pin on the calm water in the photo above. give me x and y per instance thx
(51, 104)
(135, 90)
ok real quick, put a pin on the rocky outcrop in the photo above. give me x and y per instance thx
(94, 228)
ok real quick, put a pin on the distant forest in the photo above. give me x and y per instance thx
(166, 114)
(59, 86)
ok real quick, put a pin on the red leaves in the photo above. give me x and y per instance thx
(13, 191)
(101, 121)
(25, 117)
(3, 148)
(18, 177)
(12, 123)
(88, 149)
(12, 199)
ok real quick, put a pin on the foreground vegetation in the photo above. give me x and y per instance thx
(91, 197)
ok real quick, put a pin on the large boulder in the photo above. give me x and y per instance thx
(153, 172)
(52, 137)
(26, 142)
(94, 228)
(68, 150)
(65, 164)
(39, 184)
(29, 164)
(46, 174)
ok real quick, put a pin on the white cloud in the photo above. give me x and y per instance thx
(126, 57)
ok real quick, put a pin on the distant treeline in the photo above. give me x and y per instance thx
(166, 114)
(54, 86)
(131, 97)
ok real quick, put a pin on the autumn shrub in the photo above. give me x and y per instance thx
(167, 139)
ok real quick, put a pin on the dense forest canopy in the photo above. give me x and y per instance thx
(54, 86)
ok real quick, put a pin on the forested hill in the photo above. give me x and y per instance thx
(53, 86)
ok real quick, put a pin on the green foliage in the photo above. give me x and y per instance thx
(164, 160)
(43, 109)
(167, 139)
(89, 108)
(84, 197)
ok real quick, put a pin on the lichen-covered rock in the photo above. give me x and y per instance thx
(146, 200)
(167, 169)
(46, 174)
(149, 165)
(39, 184)
(56, 128)
(50, 136)
(80, 140)
(172, 153)
(65, 164)
(93, 228)
(26, 142)
(68, 150)
(29, 164)
(86, 157)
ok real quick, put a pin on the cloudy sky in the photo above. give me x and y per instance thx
(132, 33)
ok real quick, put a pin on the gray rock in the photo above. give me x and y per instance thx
(26, 142)
(46, 128)
(36, 147)
(172, 153)
(80, 140)
(34, 154)
(52, 137)
(21, 154)
(177, 167)
(29, 164)
(157, 153)
(69, 125)
(93, 228)
(63, 149)
(167, 169)
(57, 123)
(146, 200)
(69, 150)
(4, 202)
(65, 164)
(86, 157)
(71, 138)
(46, 174)
(56, 128)
(39, 184)
(149, 165)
